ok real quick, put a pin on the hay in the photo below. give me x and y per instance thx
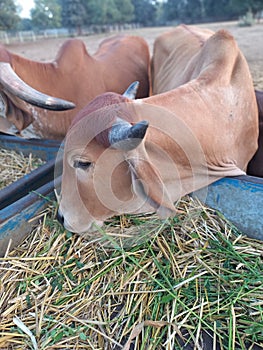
(190, 276)
(14, 165)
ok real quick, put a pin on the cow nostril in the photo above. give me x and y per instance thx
(60, 218)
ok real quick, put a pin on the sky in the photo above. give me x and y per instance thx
(26, 6)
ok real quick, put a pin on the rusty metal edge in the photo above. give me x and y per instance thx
(26, 184)
(17, 219)
(43, 148)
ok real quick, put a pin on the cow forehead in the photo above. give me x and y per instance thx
(95, 120)
(102, 104)
(93, 128)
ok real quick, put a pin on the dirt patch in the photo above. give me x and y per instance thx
(249, 39)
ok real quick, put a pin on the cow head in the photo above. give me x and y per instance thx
(106, 169)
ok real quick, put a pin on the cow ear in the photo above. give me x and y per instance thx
(147, 184)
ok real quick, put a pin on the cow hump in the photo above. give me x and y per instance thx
(73, 51)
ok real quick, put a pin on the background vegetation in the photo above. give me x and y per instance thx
(74, 14)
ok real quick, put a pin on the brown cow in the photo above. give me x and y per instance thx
(176, 49)
(74, 76)
(173, 51)
(116, 162)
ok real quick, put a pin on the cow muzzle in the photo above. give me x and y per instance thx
(76, 227)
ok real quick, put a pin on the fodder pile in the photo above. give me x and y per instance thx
(144, 283)
(14, 165)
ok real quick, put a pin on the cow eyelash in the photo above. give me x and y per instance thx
(81, 164)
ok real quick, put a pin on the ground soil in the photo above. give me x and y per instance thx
(249, 39)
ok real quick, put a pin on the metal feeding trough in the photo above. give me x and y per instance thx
(21, 201)
(44, 149)
(239, 199)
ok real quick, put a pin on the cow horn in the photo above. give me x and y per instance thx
(132, 90)
(16, 86)
(125, 136)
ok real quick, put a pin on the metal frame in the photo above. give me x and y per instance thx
(23, 200)
(240, 200)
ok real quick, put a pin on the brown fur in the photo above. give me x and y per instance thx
(78, 77)
(199, 132)
(175, 51)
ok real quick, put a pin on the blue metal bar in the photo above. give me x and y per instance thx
(240, 200)
(44, 149)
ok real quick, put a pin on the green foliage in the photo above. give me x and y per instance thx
(9, 18)
(247, 20)
(25, 24)
(108, 11)
(126, 10)
(171, 10)
(200, 10)
(46, 14)
(243, 6)
(144, 12)
(216, 9)
(93, 11)
(73, 14)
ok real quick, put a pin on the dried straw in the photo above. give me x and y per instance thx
(188, 278)
(14, 165)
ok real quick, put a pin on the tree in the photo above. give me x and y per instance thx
(73, 14)
(126, 10)
(103, 12)
(197, 10)
(92, 11)
(243, 6)
(109, 12)
(25, 24)
(144, 12)
(171, 10)
(218, 10)
(9, 18)
(46, 14)
(192, 10)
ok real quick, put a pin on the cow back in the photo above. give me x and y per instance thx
(215, 99)
(173, 53)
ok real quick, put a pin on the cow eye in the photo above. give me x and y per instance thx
(81, 164)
